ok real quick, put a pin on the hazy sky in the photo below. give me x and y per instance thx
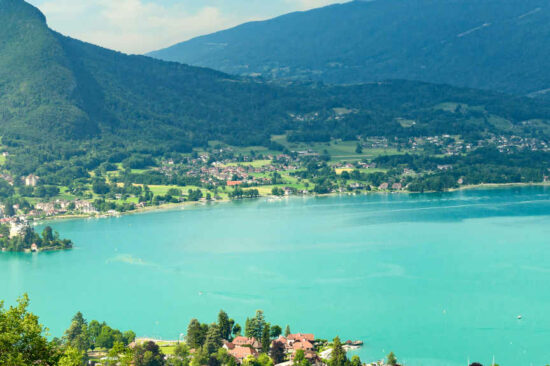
(138, 26)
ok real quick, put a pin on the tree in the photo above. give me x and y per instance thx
(266, 338)
(22, 339)
(129, 336)
(8, 209)
(224, 325)
(148, 354)
(94, 328)
(47, 236)
(71, 357)
(194, 334)
(278, 352)
(76, 335)
(300, 358)
(287, 330)
(248, 328)
(257, 324)
(105, 339)
(182, 350)
(392, 360)
(276, 331)
(356, 361)
(237, 329)
(338, 355)
(359, 149)
(213, 339)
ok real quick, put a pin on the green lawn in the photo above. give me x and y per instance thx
(254, 164)
(337, 149)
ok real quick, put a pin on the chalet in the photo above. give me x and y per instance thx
(383, 186)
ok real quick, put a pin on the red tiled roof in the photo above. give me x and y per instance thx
(241, 341)
(229, 345)
(299, 336)
(234, 183)
(304, 344)
(242, 352)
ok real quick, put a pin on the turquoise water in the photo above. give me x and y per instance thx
(437, 278)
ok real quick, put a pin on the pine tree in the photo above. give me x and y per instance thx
(194, 334)
(224, 325)
(392, 360)
(213, 339)
(266, 338)
(338, 355)
(248, 328)
(356, 361)
(258, 324)
(278, 352)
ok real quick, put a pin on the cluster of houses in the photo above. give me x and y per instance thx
(227, 171)
(242, 347)
(62, 206)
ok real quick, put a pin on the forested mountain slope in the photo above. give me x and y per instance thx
(65, 100)
(502, 45)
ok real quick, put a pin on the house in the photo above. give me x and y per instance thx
(397, 186)
(245, 341)
(34, 247)
(16, 229)
(31, 180)
(228, 345)
(304, 345)
(301, 336)
(383, 186)
(311, 356)
(242, 352)
(233, 183)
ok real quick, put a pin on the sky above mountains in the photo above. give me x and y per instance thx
(139, 26)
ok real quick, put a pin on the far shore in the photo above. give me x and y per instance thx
(175, 206)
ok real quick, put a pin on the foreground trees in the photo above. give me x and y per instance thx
(24, 342)
(22, 338)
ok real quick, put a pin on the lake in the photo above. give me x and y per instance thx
(436, 278)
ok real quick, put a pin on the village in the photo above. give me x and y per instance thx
(293, 348)
(222, 173)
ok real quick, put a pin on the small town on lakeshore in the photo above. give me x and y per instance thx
(222, 172)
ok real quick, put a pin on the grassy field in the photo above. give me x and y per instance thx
(254, 164)
(337, 149)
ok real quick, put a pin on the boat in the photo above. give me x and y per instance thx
(520, 317)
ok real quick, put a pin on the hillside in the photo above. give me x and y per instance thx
(66, 100)
(502, 45)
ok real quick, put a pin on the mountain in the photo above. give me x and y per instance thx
(67, 104)
(502, 45)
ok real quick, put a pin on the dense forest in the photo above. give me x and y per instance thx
(490, 44)
(67, 101)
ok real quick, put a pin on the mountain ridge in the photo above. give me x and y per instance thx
(66, 101)
(358, 41)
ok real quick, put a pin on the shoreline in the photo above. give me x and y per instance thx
(181, 205)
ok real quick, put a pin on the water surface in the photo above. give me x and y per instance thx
(437, 278)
